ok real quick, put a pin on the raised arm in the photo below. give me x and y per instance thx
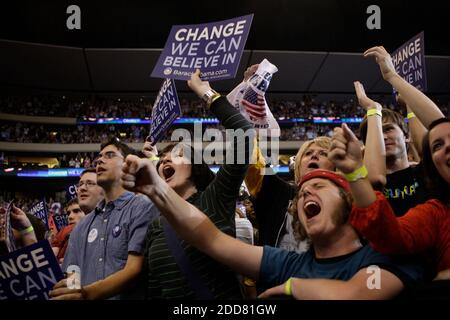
(149, 150)
(417, 130)
(375, 153)
(425, 109)
(20, 222)
(225, 186)
(140, 175)
(372, 215)
(346, 155)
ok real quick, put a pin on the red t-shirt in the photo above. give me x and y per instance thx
(62, 240)
(424, 228)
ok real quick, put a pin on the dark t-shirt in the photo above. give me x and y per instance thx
(278, 265)
(405, 189)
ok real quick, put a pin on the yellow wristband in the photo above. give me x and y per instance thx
(288, 287)
(249, 282)
(27, 230)
(373, 112)
(411, 115)
(359, 173)
(154, 158)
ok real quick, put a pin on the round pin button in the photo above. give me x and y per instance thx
(116, 231)
(92, 235)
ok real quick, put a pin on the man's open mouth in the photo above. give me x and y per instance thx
(311, 208)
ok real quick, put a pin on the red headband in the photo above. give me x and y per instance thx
(326, 174)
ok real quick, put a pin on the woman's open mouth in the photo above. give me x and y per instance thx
(168, 172)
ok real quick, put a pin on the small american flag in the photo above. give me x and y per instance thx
(254, 104)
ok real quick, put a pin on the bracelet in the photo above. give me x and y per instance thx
(249, 282)
(214, 98)
(411, 115)
(27, 230)
(154, 158)
(373, 112)
(210, 96)
(288, 287)
(359, 173)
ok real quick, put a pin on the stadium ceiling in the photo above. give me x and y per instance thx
(100, 70)
(295, 25)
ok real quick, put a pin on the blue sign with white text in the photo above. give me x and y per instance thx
(214, 48)
(39, 210)
(61, 221)
(29, 273)
(409, 62)
(71, 192)
(165, 110)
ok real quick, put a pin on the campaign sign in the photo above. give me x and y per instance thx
(39, 209)
(71, 192)
(214, 48)
(61, 221)
(165, 110)
(409, 62)
(29, 273)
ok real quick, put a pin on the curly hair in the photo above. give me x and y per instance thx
(300, 231)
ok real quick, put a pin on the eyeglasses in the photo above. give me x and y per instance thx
(107, 155)
(88, 184)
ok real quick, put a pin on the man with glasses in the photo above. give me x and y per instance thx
(106, 247)
(88, 192)
(88, 195)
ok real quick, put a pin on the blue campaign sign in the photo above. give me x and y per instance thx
(165, 110)
(61, 221)
(71, 192)
(39, 209)
(214, 48)
(29, 273)
(409, 62)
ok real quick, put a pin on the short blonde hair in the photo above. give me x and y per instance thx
(323, 142)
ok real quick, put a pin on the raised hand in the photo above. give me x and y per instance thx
(384, 60)
(140, 175)
(197, 85)
(250, 71)
(345, 151)
(19, 219)
(363, 100)
(149, 150)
